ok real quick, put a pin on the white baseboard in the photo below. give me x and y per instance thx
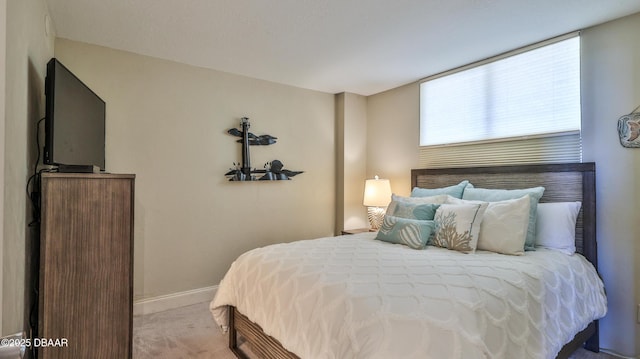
(174, 300)
(614, 354)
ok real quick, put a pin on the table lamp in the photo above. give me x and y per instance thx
(377, 195)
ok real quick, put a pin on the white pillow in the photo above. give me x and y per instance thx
(494, 195)
(504, 225)
(556, 226)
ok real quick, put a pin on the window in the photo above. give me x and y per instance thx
(520, 107)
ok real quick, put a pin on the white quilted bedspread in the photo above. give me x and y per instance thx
(355, 297)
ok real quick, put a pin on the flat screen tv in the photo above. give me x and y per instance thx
(75, 121)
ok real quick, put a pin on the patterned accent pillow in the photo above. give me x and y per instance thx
(410, 232)
(453, 191)
(413, 211)
(504, 225)
(458, 226)
(494, 195)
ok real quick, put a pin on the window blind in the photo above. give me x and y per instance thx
(520, 107)
(561, 148)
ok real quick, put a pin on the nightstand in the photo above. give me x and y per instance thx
(357, 230)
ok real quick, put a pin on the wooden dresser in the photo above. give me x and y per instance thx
(86, 265)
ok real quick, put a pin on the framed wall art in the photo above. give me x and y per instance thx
(629, 129)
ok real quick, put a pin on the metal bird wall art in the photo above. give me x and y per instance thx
(262, 140)
(272, 171)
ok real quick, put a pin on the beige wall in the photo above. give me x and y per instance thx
(351, 164)
(167, 123)
(28, 48)
(393, 132)
(611, 88)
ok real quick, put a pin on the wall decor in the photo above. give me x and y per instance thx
(629, 129)
(273, 171)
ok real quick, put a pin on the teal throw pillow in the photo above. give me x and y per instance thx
(410, 232)
(413, 211)
(453, 191)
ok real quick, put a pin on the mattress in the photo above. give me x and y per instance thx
(356, 297)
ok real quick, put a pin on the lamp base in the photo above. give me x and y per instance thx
(376, 215)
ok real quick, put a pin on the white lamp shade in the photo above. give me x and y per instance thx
(377, 192)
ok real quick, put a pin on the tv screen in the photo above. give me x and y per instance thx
(75, 120)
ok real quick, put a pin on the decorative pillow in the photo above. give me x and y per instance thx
(504, 225)
(439, 199)
(413, 211)
(556, 226)
(454, 191)
(410, 232)
(458, 225)
(494, 195)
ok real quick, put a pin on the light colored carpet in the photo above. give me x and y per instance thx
(190, 332)
(182, 333)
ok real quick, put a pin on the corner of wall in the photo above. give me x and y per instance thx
(351, 152)
(29, 45)
(3, 45)
(339, 137)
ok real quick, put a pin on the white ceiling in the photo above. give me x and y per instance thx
(358, 46)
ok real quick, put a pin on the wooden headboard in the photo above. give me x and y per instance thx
(562, 182)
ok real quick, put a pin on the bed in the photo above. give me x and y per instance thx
(352, 296)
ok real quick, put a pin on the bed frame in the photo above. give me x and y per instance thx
(562, 182)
